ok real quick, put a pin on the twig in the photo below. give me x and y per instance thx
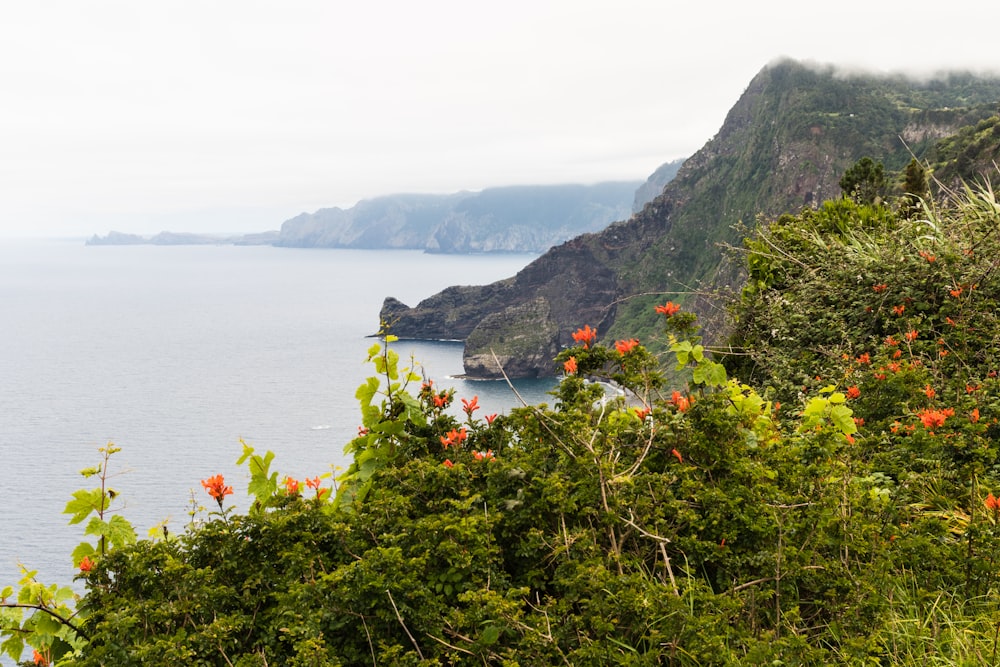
(64, 621)
(401, 622)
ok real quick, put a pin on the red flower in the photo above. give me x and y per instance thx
(362, 431)
(447, 463)
(483, 456)
(676, 453)
(929, 391)
(586, 336)
(853, 391)
(626, 346)
(441, 400)
(957, 292)
(291, 486)
(470, 406)
(969, 388)
(974, 415)
(86, 565)
(891, 342)
(642, 413)
(490, 418)
(864, 359)
(669, 308)
(911, 335)
(899, 309)
(880, 288)
(216, 487)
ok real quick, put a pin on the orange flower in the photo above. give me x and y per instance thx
(470, 406)
(454, 437)
(950, 321)
(849, 437)
(891, 342)
(586, 336)
(974, 415)
(39, 659)
(969, 388)
(291, 486)
(929, 391)
(864, 359)
(853, 391)
(86, 565)
(897, 354)
(880, 288)
(777, 406)
(680, 459)
(216, 487)
(992, 503)
(668, 309)
(642, 413)
(859, 421)
(932, 418)
(911, 335)
(926, 255)
(957, 292)
(626, 346)
(441, 400)
(447, 463)
(879, 376)
(894, 366)
(898, 309)
(483, 456)
(490, 418)
(569, 366)
(681, 402)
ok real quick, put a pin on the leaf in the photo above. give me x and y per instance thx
(84, 502)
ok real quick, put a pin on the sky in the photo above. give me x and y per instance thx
(225, 116)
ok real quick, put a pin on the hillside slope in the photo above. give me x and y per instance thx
(783, 146)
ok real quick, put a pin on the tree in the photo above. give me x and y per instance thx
(915, 188)
(864, 181)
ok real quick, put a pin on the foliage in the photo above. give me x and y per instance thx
(825, 496)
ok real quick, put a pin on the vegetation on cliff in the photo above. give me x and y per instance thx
(784, 145)
(824, 495)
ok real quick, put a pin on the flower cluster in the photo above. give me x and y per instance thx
(585, 336)
(454, 438)
(216, 487)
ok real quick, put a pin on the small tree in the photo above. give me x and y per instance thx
(864, 181)
(915, 188)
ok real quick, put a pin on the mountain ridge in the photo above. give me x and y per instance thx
(783, 145)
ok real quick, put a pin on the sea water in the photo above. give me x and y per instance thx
(176, 353)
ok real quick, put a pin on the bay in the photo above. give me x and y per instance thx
(176, 353)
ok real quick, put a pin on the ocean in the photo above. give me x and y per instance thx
(175, 353)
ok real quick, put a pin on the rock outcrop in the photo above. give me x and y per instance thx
(518, 340)
(784, 145)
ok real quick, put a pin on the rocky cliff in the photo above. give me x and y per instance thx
(784, 145)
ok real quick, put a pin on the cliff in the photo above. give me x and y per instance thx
(784, 145)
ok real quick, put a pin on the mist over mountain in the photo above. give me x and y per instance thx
(527, 218)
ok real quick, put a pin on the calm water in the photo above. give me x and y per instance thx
(174, 353)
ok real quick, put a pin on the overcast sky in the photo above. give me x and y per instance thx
(225, 115)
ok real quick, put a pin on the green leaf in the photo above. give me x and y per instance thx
(84, 502)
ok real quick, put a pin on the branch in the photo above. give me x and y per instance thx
(53, 614)
(405, 629)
